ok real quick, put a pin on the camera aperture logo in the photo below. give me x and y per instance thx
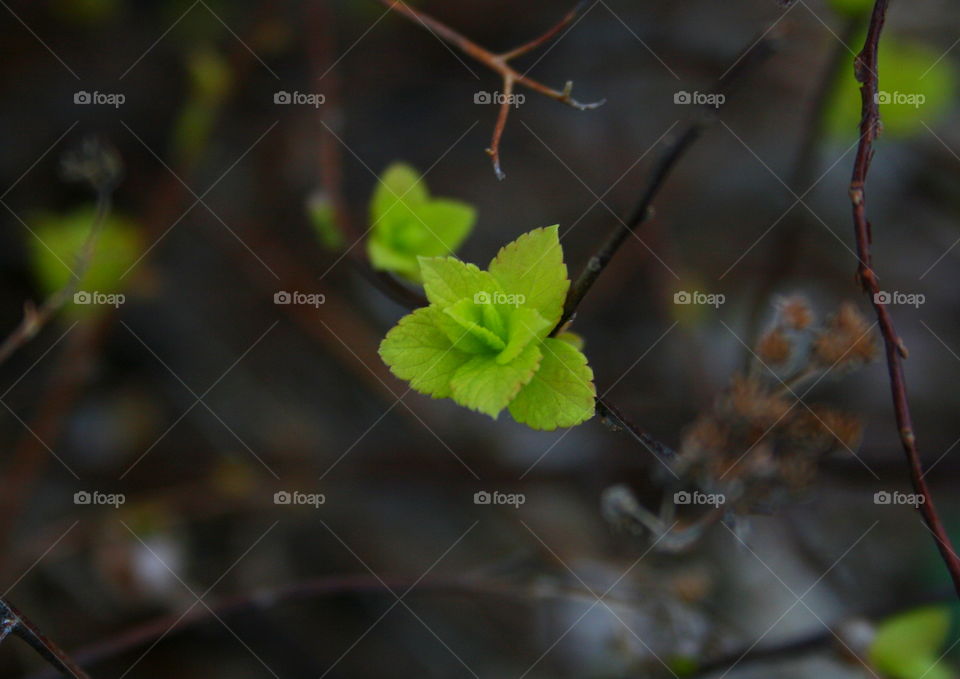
(684, 98)
(98, 499)
(700, 298)
(686, 497)
(885, 497)
(499, 98)
(299, 499)
(88, 297)
(914, 299)
(484, 497)
(314, 299)
(295, 98)
(84, 98)
(914, 99)
(499, 298)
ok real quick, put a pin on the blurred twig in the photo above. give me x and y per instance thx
(35, 318)
(866, 72)
(500, 63)
(757, 54)
(14, 622)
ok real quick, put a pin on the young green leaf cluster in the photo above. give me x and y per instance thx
(483, 340)
(408, 223)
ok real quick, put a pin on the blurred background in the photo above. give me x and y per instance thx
(195, 398)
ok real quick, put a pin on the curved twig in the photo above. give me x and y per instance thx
(866, 72)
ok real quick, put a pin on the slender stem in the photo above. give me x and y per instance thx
(35, 318)
(14, 622)
(866, 72)
(499, 63)
(664, 165)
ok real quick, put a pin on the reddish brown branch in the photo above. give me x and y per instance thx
(500, 63)
(866, 72)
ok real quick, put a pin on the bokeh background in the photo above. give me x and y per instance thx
(199, 398)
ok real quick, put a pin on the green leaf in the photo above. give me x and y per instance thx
(385, 258)
(908, 646)
(407, 223)
(486, 386)
(58, 239)
(447, 280)
(525, 325)
(417, 351)
(532, 266)
(399, 183)
(488, 332)
(445, 224)
(561, 394)
(469, 319)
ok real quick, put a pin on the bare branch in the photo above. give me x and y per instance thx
(500, 63)
(669, 156)
(866, 72)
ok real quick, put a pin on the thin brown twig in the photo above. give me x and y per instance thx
(500, 63)
(866, 72)
(670, 155)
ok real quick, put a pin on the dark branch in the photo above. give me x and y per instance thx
(866, 72)
(664, 165)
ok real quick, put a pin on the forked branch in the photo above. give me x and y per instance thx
(500, 63)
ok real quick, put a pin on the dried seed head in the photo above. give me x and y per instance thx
(795, 312)
(774, 347)
(846, 340)
(751, 402)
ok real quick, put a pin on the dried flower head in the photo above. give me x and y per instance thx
(846, 340)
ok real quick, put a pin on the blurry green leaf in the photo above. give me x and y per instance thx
(210, 82)
(210, 75)
(913, 90)
(85, 11)
(909, 645)
(323, 220)
(59, 240)
(407, 223)
(851, 8)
